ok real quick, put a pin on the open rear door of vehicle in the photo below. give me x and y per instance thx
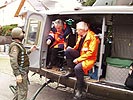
(34, 29)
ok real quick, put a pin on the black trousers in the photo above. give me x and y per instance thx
(53, 56)
(79, 73)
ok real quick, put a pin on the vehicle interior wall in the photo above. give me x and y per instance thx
(122, 45)
(119, 48)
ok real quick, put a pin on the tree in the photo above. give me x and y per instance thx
(6, 30)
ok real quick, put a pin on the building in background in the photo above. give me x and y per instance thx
(8, 10)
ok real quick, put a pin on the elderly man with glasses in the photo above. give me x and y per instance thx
(82, 57)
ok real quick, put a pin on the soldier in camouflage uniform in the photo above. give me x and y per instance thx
(20, 63)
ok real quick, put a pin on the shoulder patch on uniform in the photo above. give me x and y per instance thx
(14, 49)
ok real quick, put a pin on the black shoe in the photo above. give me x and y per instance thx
(49, 67)
(69, 74)
(78, 95)
(61, 69)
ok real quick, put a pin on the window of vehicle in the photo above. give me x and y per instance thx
(33, 32)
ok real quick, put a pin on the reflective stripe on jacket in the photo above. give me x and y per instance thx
(88, 53)
(57, 38)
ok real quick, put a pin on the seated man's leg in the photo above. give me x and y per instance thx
(70, 56)
(48, 58)
(54, 56)
(61, 59)
(79, 73)
(54, 59)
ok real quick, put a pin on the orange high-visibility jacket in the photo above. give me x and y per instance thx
(57, 38)
(88, 53)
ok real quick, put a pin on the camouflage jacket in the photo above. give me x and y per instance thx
(18, 58)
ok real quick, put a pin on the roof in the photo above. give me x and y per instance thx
(2, 6)
(96, 10)
(38, 5)
(41, 5)
(3, 3)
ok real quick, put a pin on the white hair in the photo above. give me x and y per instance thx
(58, 22)
(82, 25)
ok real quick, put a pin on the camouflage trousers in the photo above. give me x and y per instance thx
(22, 89)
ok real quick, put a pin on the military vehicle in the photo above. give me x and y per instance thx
(112, 24)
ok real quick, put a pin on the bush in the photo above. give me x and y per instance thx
(6, 30)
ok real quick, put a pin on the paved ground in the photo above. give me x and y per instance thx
(7, 78)
(46, 94)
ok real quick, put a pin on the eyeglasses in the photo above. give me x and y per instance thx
(79, 29)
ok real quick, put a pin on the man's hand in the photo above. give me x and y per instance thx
(48, 42)
(69, 47)
(33, 48)
(75, 61)
(19, 79)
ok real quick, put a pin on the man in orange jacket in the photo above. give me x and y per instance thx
(82, 57)
(57, 42)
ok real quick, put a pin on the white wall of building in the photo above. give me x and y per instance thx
(7, 13)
